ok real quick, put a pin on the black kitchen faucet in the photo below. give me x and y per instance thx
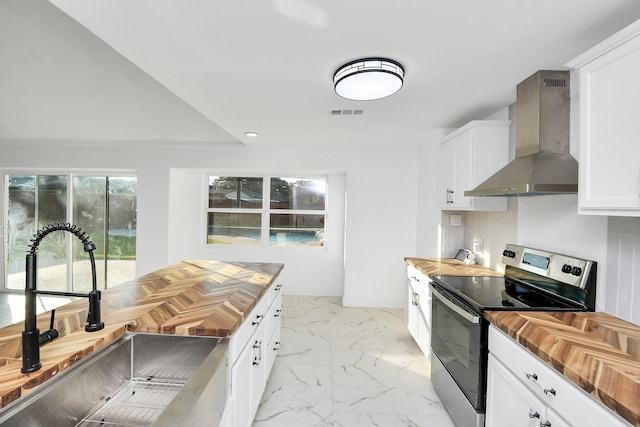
(32, 339)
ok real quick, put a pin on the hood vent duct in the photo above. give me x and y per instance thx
(543, 164)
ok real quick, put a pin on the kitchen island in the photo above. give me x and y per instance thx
(197, 297)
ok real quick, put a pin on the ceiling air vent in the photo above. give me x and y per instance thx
(347, 112)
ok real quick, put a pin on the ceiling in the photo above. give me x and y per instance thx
(267, 65)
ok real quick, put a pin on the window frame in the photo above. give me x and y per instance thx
(69, 174)
(266, 210)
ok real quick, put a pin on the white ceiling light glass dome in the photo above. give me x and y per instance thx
(368, 79)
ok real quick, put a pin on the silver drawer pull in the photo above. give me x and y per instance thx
(545, 424)
(533, 377)
(549, 391)
(534, 414)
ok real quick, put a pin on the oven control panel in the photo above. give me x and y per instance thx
(562, 268)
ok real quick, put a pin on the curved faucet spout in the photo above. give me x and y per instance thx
(31, 337)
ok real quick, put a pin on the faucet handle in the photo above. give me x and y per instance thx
(52, 333)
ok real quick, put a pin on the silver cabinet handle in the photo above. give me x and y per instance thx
(459, 310)
(257, 345)
(533, 414)
(545, 424)
(549, 391)
(257, 321)
(449, 196)
(533, 377)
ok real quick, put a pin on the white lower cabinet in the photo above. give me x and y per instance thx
(512, 404)
(252, 352)
(522, 391)
(418, 310)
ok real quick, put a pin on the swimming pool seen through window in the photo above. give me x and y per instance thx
(278, 211)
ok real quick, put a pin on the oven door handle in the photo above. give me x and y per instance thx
(459, 310)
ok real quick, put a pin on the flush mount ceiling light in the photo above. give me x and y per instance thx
(251, 134)
(368, 78)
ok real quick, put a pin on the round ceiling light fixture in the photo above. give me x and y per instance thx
(368, 79)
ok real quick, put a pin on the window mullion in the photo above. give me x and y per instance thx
(68, 238)
(266, 210)
(106, 231)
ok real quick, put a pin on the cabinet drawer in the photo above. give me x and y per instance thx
(249, 326)
(573, 403)
(274, 315)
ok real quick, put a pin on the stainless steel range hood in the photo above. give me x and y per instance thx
(543, 164)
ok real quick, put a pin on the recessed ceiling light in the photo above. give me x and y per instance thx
(251, 134)
(368, 79)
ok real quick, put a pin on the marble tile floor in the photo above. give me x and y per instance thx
(341, 366)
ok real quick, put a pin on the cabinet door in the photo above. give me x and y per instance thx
(241, 388)
(467, 157)
(446, 174)
(271, 351)
(609, 101)
(553, 419)
(412, 312)
(509, 402)
(464, 146)
(424, 316)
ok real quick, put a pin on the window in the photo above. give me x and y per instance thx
(104, 207)
(266, 210)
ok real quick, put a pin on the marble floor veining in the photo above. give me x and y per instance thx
(344, 366)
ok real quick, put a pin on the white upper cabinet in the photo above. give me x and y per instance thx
(467, 157)
(608, 105)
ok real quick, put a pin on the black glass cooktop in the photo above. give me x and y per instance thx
(499, 293)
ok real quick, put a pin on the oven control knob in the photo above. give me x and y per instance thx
(576, 271)
(566, 268)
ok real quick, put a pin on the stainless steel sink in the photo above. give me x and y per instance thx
(138, 380)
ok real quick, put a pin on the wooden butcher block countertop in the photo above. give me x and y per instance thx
(449, 266)
(209, 298)
(598, 352)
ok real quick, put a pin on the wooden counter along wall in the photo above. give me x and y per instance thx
(450, 267)
(197, 297)
(598, 352)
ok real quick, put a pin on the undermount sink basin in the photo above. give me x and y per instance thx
(138, 380)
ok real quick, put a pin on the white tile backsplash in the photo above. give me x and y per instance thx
(622, 295)
(452, 235)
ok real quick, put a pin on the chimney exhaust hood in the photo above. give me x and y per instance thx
(543, 164)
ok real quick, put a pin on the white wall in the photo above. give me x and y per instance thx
(380, 222)
(429, 229)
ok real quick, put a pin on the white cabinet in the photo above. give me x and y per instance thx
(469, 156)
(512, 404)
(524, 391)
(608, 102)
(418, 311)
(252, 351)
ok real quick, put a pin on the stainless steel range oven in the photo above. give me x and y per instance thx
(533, 280)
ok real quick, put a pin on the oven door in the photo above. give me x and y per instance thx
(459, 340)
